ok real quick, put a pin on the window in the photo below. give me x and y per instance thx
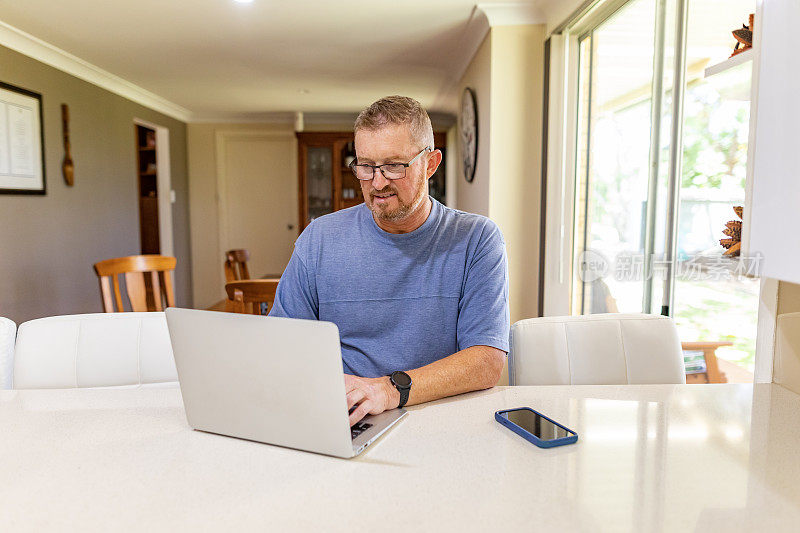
(659, 155)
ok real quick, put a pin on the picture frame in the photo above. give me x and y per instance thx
(22, 168)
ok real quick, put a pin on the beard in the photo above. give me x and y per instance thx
(404, 209)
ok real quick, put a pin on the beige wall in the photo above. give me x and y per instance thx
(49, 243)
(506, 74)
(474, 197)
(515, 156)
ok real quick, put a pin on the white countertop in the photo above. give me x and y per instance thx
(649, 457)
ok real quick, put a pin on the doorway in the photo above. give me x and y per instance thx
(154, 192)
(257, 197)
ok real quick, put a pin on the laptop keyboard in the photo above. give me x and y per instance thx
(359, 428)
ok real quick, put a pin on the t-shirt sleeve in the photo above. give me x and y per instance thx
(483, 314)
(296, 296)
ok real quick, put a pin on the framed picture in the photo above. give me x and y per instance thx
(21, 141)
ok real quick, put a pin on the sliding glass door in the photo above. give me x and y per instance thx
(614, 124)
(660, 160)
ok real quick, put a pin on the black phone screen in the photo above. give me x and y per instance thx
(536, 424)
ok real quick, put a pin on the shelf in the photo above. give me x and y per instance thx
(147, 148)
(729, 63)
(152, 173)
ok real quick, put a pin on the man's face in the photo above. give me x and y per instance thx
(392, 200)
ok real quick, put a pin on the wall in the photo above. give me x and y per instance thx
(515, 159)
(506, 73)
(474, 197)
(49, 243)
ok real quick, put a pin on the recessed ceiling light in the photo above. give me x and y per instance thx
(243, 1)
(304, 91)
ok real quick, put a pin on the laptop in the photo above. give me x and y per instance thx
(273, 380)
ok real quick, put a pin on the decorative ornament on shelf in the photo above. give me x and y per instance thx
(744, 37)
(733, 229)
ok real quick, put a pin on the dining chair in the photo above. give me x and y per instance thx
(599, 349)
(145, 293)
(94, 350)
(253, 296)
(8, 330)
(236, 265)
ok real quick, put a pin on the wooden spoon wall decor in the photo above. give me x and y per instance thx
(68, 167)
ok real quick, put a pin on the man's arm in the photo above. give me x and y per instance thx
(473, 368)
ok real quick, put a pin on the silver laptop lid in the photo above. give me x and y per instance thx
(274, 380)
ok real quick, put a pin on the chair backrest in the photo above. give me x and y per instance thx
(8, 331)
(253, 296)
(148, 282)
(236, 265)
(94, 350)
(601, 349)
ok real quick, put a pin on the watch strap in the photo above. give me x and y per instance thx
(403, 395)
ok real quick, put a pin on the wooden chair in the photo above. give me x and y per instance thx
(253, 296)
(712, 372)
(145, 293)
(236, 265)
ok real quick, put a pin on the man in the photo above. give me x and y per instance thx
(418, 291)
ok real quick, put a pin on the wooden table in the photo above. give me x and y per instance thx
(649, 458)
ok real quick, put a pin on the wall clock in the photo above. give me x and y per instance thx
(469, 133)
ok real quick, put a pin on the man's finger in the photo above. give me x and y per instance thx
(355, 396)
(360, 411)
(351, 382)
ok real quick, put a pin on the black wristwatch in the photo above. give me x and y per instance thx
(402, 383)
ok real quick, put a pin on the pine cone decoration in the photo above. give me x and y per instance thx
(733, 229)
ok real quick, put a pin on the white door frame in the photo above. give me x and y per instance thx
(163, 186)
(221, 138)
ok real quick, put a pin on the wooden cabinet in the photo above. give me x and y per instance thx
(326, 184)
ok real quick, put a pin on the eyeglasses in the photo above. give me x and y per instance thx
(390, 171)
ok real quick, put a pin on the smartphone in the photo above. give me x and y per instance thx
(535, 427)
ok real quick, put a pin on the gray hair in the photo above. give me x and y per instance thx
(398, 110)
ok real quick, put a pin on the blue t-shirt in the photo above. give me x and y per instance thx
(400, 301)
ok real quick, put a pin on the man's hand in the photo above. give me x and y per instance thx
(370, 396)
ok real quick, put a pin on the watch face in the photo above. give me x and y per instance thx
(401, 379)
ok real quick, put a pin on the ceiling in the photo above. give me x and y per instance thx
(220, 58)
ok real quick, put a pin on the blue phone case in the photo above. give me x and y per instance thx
(530, 436)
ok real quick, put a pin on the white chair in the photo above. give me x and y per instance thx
(601, 349)
(94, 350)
(8, 330)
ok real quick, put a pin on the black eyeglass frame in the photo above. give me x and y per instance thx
(353, 166)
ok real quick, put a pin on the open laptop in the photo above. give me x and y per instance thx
(273, 380)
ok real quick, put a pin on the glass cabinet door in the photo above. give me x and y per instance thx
(319, 181)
